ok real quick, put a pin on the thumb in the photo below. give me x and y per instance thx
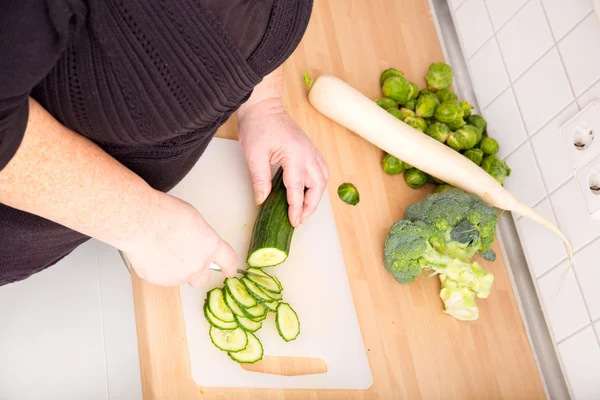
(260, 170)
(226, 258)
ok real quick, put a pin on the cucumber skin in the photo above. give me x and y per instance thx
(262, 352)
(282, 304)
(272, 227)
(222, 327)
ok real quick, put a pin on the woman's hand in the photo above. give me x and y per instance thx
(177, 246)
(269, 135)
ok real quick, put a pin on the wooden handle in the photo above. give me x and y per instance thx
(288, 366)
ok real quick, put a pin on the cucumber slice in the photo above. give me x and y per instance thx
(273, 295)
(214, 321)
(258, 319)
(255, 291)
(251, 354)
(217, 306)
(271, 305)
(255, 312)
(238, 291)
(247, 324)
(265, 281)
(228, 340)
(235, 307)
(267, 257)
(287, 322)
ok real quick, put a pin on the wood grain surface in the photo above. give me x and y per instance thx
(415, 350)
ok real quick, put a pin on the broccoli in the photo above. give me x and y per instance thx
(459, 301)
(467, 223)
(410, 247)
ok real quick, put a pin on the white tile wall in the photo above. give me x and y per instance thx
(539, 69)
(474, 30)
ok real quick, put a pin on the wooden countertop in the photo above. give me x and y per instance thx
(415, 350)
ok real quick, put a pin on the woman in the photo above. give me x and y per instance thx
(105, 105)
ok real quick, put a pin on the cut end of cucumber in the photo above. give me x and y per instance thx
(266, 257)
(288, 324)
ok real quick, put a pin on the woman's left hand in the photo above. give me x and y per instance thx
(269, 135)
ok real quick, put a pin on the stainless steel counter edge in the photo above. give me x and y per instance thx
(544, 350)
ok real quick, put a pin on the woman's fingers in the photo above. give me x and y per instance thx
(260, 170)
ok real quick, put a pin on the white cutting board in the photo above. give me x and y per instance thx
(314, 279)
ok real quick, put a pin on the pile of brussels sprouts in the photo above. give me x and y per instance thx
(436, 111)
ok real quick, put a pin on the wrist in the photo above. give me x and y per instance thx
(260, 109)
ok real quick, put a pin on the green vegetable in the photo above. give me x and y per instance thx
(459, 301)
(478, 121)
(466, 107)
(425, 91)
(449, 112)
(348, 193)
(272, 232)
(287, 322)
(239, 293)
(386, 103)
(389, 73)
(265, 281)
(489, 255)
(217, 306)
(445, 95)
(391, 165)
(442, 187)
(475, 155)
(255, 291)
(396, 113)
(308, 81)
(438, 131)
(464, 138)
(497, 168)
(447, 210)
(252, 353)
(409, 249)
(426, 105)
(416, 178)
(397, 88)
(214, 321)
(414, 91)
(247, 324)
(489, 146)
(411, 104)
(416, 122)
(439, 76)
(228, 340)
(406, 113)
(457, 124)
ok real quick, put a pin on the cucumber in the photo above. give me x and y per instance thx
(235, 307)
(251, 354)
(228, 340)
(217, 306)
(238, 291)
(214, 321)
(287, 322)
(258, 319)
(258, 311)
(264, 281)
(247, 324)
(272, 232)
(271, 305)
(274, 296)
(255, 291)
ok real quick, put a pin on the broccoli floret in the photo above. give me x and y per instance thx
(459, 301)
(410, 247)
(467, 223)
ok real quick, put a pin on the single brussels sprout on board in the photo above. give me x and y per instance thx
(478, 121)
(489, 146)
(396, 113)
(416, 122)
(411, 104)
(466, 107)
(385, 103)
(449, 112)
(446, 95)
(392, 165)
(387, 73)
(438, 131)
(439, 76)
(475, 155)
(426, 105)
(397, 88)
(441, 188)
(415, 178)
(348, 193)
(497, 168)
(406, 113)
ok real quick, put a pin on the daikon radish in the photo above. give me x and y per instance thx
(345, 105)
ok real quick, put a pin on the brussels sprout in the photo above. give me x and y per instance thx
(443, 187)
(416, 122)
(389, 73)
(475, 155)
(461, 140)
(439, 76)
(449, 112)
(348, 193)
(414, 91)
(396, 113)
(489, 146)
(406, 113)
(426, 105)
(470, 135)
(391, 165)
(415, 178)
(478, 121)
(386, 103)
(475, 131)
(411, 104)
(455, 125)
(428, 121)
(496, 168)
(397, 88)
(438, 181)
(445, 95)
(466, 107)
(425, 91)
(438, 131)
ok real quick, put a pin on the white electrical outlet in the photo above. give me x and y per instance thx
(588, 181)
(581, 135)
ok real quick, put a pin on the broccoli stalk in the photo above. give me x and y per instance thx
(459, 301)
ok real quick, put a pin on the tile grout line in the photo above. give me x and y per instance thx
(513, 15)
(575, 333)
(575, 252)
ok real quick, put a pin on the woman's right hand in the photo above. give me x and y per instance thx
(177, 245)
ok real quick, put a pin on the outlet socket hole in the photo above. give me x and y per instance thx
(594, 181)
(583, 136)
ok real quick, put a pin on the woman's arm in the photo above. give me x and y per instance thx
(61, 176)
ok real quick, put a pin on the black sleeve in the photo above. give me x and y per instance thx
(33, 34)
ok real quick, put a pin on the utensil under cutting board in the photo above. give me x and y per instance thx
(314, 279)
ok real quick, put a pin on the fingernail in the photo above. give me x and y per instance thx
(260, 197)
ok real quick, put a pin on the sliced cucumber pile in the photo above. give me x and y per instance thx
(236, 311)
